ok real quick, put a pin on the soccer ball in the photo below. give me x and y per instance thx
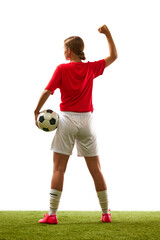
(48, 120)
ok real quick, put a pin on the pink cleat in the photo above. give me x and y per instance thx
(51, 219)
(106, 217)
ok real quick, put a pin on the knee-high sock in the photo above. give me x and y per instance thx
(103, 200)
(55, 196)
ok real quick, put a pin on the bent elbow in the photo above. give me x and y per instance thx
(109, 60)
(115, 56)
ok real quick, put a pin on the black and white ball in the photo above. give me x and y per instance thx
(48, 120)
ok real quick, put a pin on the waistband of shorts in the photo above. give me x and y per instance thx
(76, 113)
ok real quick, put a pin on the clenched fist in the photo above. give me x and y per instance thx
(103, 29)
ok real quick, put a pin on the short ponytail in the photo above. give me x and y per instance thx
(82, 56)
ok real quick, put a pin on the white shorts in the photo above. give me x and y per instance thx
(75, 127)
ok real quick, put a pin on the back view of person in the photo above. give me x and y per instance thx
(75, 81)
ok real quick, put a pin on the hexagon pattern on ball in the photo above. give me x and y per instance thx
(52, 121)
(41, 119)
(48, 120)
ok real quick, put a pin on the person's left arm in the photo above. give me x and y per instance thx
(43, 98)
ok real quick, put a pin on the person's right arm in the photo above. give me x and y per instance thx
(112, 48)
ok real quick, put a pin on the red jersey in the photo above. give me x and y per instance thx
(75, 81)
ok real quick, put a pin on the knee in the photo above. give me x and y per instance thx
(60, 170)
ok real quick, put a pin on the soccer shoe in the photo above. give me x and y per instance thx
(51, 219)
(106, 217)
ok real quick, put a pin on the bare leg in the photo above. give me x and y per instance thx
(60, 163)
(99, 181)
(95, 170)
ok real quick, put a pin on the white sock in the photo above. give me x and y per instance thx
(103, 200)
(55, 196)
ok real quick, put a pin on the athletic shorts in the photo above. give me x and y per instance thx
(75, 128)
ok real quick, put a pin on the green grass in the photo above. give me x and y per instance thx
(24, 225)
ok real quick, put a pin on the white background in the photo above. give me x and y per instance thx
(126, 101)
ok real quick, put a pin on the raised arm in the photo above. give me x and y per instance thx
(112, 48)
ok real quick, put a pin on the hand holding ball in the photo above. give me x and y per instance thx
(48, 120)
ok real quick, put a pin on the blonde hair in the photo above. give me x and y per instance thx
(76, 45)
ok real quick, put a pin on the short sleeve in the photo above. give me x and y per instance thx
(55, 81)
(98, 67)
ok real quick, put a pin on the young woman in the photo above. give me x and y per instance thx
(75, 81)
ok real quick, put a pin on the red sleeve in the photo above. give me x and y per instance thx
(55, 81)
(98, 67)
